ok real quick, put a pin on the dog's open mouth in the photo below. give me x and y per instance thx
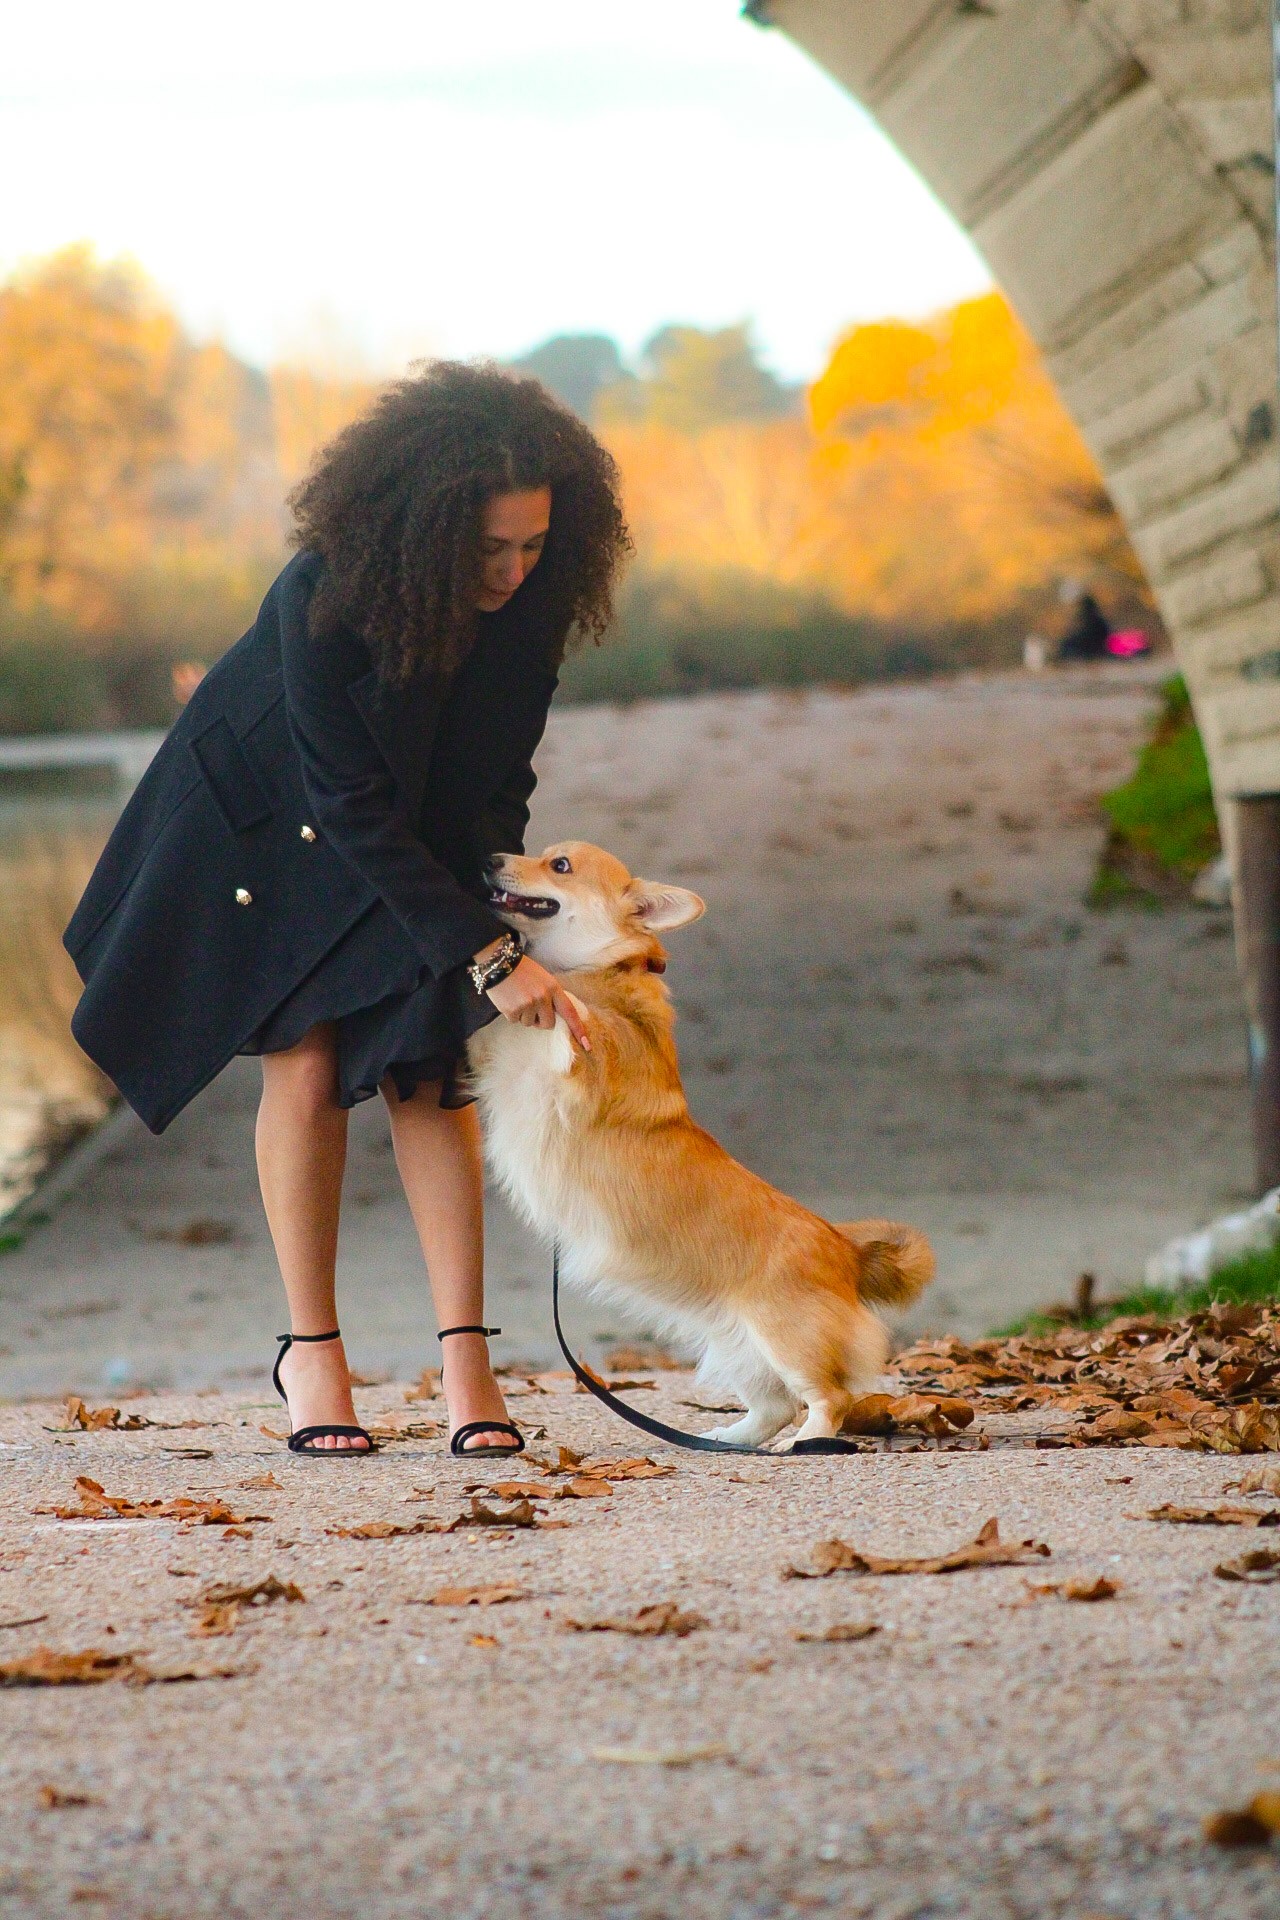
(530, 906)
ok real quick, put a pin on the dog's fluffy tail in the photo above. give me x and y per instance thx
(897, 1261)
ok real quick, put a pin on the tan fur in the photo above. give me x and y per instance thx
(599, 1151)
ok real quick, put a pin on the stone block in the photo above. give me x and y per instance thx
(1116, 434)
(1175, 16)
(1250, 498)
(1245, 373)
(858, 41)
(1238, 581)
(1186, 461)
(1179, 341)
(1189, 65)
(1245, 712)
(1245, 767)
(1252, 182)
(1231, 255)
(1217, 653)
(1233, 129)
(1128, 324)
(1120, 204)
(981, 111)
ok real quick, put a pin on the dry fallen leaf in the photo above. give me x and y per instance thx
(1099, 1589)
(220, 1606)
(95, 1504)
(844, 1630)
(521, 1513)
(99, 1419)
(196, 1233)
(1266, 1807)
(495, 1596)
(906, 1413)
(413, 1430)
(261, 1483)
(1216, 1516)
(1140, 1381)
(59, 1797)
(428, 1386)
(567, 1461)
(1258, 1480)
(988, 1550)
(579, 1488)
(385, 1530)
(661, 1756)
(45, 1667)
(611, 1386)
(638, 1468)
(485, 1640)
(1251, 1826)
(1260, 1567)
(664, 1617)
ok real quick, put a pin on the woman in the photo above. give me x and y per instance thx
(301, 872)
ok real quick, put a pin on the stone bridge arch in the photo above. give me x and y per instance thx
(1112, 160)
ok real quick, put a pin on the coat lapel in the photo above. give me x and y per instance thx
(403, 723)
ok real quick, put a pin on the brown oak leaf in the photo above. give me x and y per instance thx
(987, 1550)
(664, 1617)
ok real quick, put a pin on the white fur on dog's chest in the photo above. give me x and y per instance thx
(520, 1075)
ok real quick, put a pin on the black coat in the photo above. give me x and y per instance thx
(293, 794)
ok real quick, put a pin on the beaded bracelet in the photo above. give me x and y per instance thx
(488, 973)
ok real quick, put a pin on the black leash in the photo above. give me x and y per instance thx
(675, 1436)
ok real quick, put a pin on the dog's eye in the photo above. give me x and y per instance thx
(560, 865)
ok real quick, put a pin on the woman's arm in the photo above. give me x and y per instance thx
(505, 815)
(356, 802)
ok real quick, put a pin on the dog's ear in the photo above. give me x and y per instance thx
(661, 908)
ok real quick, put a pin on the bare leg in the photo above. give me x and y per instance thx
(301, 1143)
(438, 1154)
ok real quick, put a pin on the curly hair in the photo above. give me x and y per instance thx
(394, 505)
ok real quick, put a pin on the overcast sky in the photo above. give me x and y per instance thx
(383, 178)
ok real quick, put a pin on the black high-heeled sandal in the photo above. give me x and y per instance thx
(299, 1442)
(457, 1443)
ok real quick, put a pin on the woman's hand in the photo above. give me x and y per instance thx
(534, 997)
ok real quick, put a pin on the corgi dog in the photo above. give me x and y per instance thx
(598, 1151)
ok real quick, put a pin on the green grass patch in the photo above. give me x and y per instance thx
(1253, 1279)
(1163, 825)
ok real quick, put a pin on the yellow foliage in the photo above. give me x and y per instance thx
(935, 478)
(876, 373)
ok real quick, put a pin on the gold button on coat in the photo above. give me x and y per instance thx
(243, 897)
(307, 833)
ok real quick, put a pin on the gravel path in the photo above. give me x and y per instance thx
(895, 1004)
(988, 1751)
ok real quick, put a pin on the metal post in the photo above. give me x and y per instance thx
(1258, 944)
(1257, 865)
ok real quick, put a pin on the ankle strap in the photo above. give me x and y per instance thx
(335, 1335)
(487, 1331)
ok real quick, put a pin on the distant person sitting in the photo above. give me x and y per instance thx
(1087, 636)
